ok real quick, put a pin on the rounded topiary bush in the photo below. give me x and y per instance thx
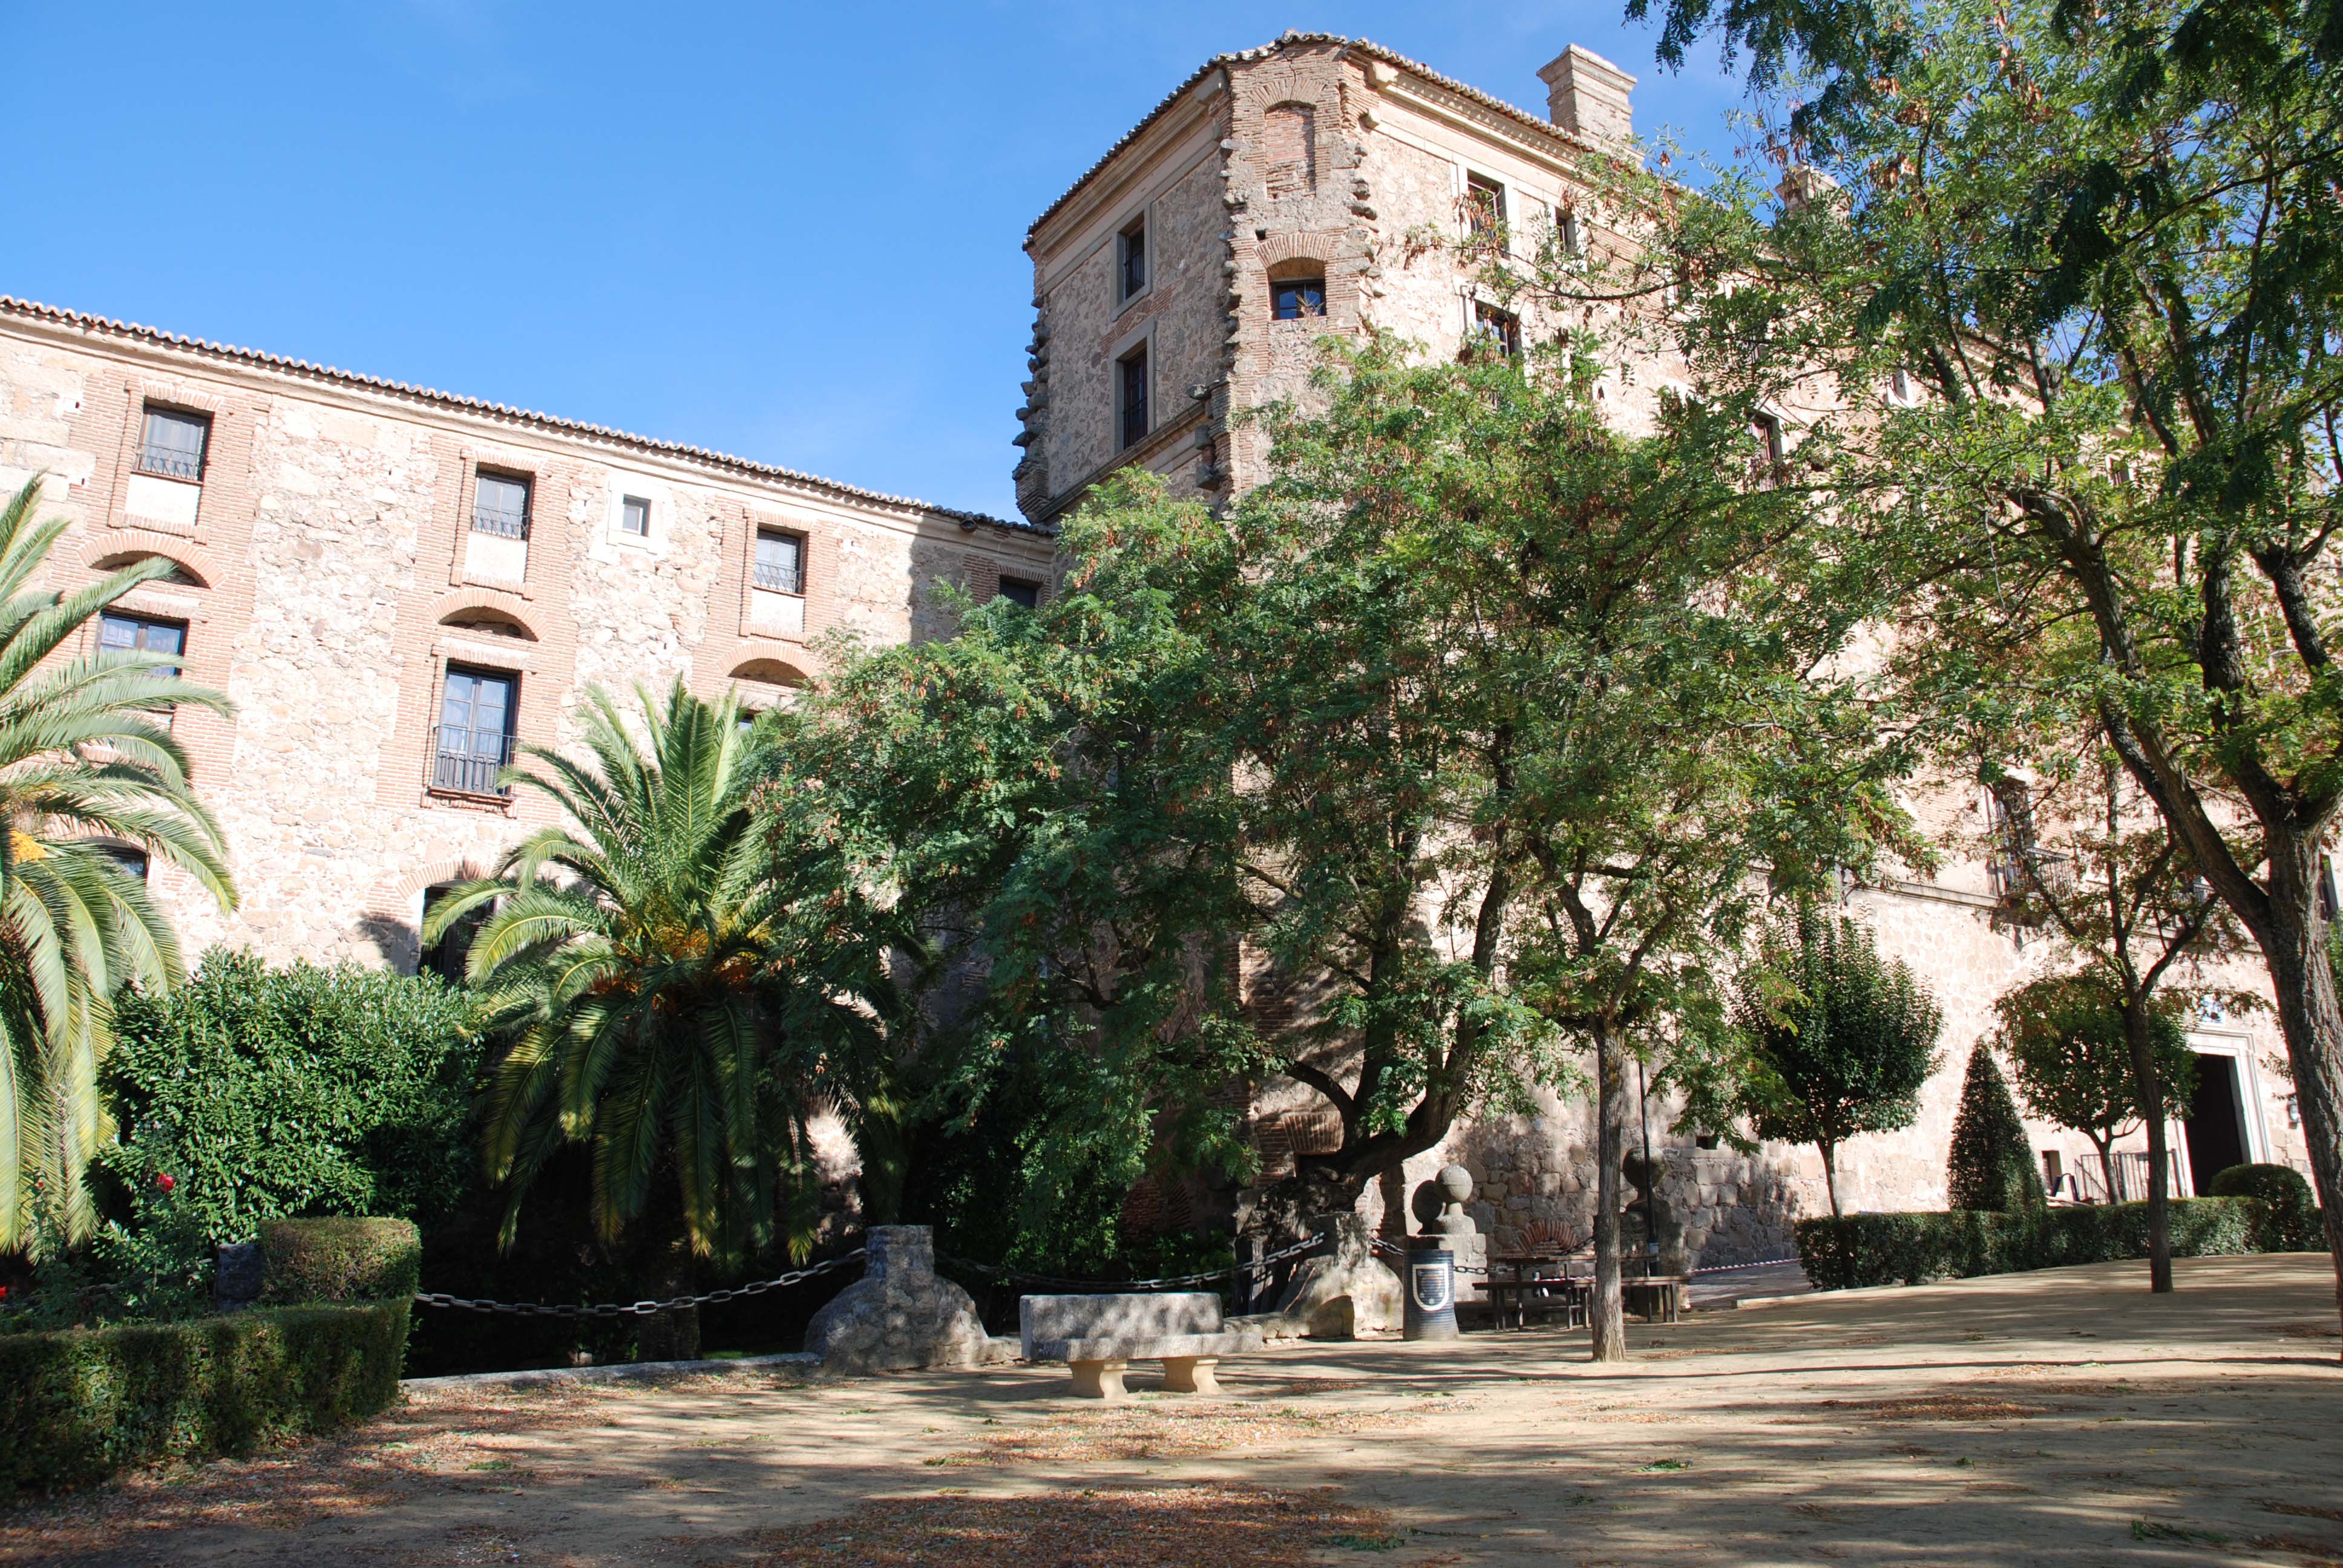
(2292, 1208)
(307, 1261)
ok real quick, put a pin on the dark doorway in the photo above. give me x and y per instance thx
(444, 958)
(2217, 1126)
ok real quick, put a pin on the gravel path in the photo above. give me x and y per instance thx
(2065, 1417)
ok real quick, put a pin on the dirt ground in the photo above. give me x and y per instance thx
(2065, 1417)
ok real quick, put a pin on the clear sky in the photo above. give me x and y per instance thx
(790, 232)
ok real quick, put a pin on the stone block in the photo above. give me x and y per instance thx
(900, 1313)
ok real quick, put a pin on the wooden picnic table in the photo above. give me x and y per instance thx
(1517, 1299)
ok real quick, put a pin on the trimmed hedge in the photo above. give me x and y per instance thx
(1907, 1249)
(77, 1406)
(2293, 1207)
(307, 1261)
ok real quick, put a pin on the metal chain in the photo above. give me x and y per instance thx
(999, 1272)
(1392, 1248)
(637, 1309)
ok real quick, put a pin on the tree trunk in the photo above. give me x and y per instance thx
(1608, 1315)
(1830, 1174)
(2148, 1088)
(2106, 1148)
(2295, 948)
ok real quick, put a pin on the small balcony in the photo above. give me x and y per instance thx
(779, 576)
(170, 463)
(470, 762)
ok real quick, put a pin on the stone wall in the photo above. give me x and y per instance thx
(326, 583)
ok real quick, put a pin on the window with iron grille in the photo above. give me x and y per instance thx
(1131, 395)
(119, 632)
(473, 740)
(1765, 441)
(1016, 590)
(635, 516)
(500, 505)
(1131, 247)
(780, 561)
(1293, 298)
(172, 443)
(1485, 203)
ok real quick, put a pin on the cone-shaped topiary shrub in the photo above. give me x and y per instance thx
(1992, 1165)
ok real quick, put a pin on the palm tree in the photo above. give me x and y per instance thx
(87, 757)
(637, 959)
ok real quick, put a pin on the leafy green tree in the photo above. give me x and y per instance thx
(265, 1093)
(1842, 1041)
(1036, 817)
(86, 756)
(2071, 1057)
(1991, 1163)
(652, 987)
(2105, 246)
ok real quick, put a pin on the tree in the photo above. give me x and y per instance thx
(2071, 1057)
(1990, 1165)
(1842, 1041)
(655, 990)
(1525, 706)
(2107, 245)
(87, 757)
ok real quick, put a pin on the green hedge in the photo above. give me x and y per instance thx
(339, 1260)
(2293, 1207)
(77, 1406)
(1907, 1249)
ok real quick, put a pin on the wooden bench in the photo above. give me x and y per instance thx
(1657, 1299)
(1100, 1336)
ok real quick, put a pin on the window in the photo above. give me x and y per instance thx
(1500, 331)
(1900, 387)
(1293, 298)
(635, 516)
(1765, 441)
(780, 561)
(444, 958)
(1485, 203)
(173, 444)
(473, 740)
(1016, 590)
(1131, 259)
(500, 505)
(1130, 394)
(129, 857)
(1565, 233)
(119, 633)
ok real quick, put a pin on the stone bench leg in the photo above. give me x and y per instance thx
(1190, 1375)
(1099, 1380)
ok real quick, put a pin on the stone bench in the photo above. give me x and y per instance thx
(1100, 1336)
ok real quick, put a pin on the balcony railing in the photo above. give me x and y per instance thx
(778, 577)
(470, 761)
(503, 523)
(170, 464)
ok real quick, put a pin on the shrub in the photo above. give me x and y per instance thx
(312, 1260)
(2292, 1208)
(76, 1406)
(269, 1093)
(1991, 1165)
(1908, 1249)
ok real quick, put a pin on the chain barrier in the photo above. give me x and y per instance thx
(637, 1309)
(1390, 1248)
(1261, 1265)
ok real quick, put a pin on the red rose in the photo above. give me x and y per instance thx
(165, 1181)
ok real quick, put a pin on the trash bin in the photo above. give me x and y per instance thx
(1430, 1290)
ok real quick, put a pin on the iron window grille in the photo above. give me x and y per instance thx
(466, 760)
(500, 506)
(1132, 245)
(780, 562)
(171, 444)
(1132, 369)
(1293, 298)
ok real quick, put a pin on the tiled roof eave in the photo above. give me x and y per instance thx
(529, 418)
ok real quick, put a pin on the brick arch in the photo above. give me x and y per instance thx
(393, 894)
(769, 671)
(1286, 245)
(510, 606)
(749, 650)
(117, 546)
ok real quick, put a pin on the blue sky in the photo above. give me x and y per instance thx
(789, 232)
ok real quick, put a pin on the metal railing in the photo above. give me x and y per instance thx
(503, 523)
(2089, 1183)
(170, 464)
(778, 577)
(470, 761)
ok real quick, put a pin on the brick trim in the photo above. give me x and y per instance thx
(116, 544)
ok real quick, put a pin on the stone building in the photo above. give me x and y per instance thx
(396, 586)
(1269, 200)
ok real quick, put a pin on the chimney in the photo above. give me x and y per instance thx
(1588, 94)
